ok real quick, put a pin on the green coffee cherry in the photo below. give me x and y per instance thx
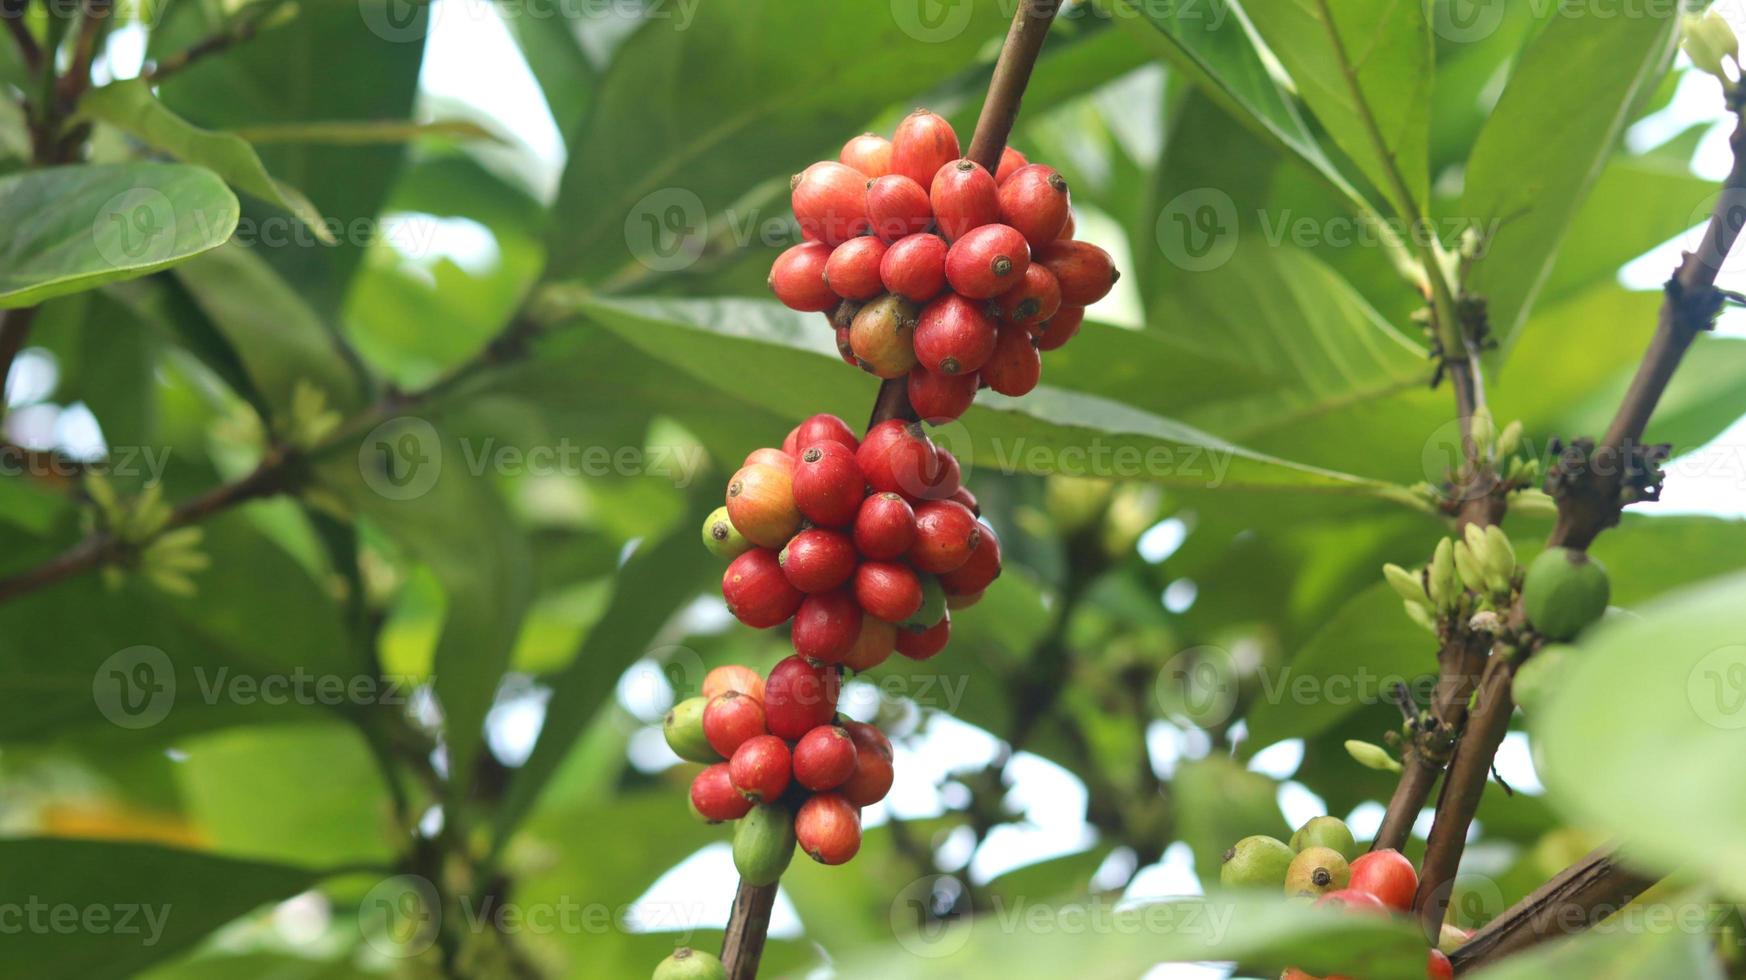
(1315, 872)
(764, 844)
(933, 607)
(683, 727)
(1329, 832)
(1564, 591)
(1256, 862)
(721, 537)
(690, 964)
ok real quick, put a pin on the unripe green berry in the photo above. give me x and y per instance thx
(683, 727)
(1315, 872)
(1328, 832)
(721, 537)
(1256, 862)
(690, 964)
(1564, 591)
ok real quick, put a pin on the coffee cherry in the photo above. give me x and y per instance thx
(946, 534)
(733, 677)
(988, 261)
(828, 487)
(690, 964)
(926, 643)
(882, 336)
(898, 456)
(826, 626)
(963, 197)
(898, 207)
(875, 644)
(852, 271)
(1256, 862)
(1352, 900)
(1067, 229)
(764, 844)
(1060, 328)
(757, 592)
(818, 560)
(968, 499)
(1452, 937)
(1085, 271)
(922, 144)
(683, 728)
(770, 457)
(1016, 365)
(846, 349)
(869, 153)
(979, 570)
(1564, 590)
(824, 758)
(1330, 832)
(761, 768)
(828, 828)
(1030, 303)
(1315, 872)
(730, 719)
(830, 202)
(888, 591)
(1437, 966)
(824, 427)
(955, 601)
(1389, 876)
(884, 526)
(932, 609)
(950, 479)
(873, 771)
(760, 502)
(1035, 201)
(800, 696)
(721, 537)
(797, 278)
(953, 336)
(914, 267)
(713, 796)
(1010, 162)
(789, 441)
(868, 738)
(940, 398)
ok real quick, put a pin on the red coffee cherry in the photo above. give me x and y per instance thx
(988, 261)
(884, 526)
(761, 768)
(1060, 328)
(1068, 228)
(824, 427)
(800, 696)
(946, 534)
(945, 479)
(980, 570)
(852, 271)
(914, 267)
(828, 828)
(1010, 162)
(963, 197)
(873, 770)
(713, 796)
(818, 560)
(770, 457)
(730, 719)
(1035, 201)
(882, 336)
(898, 207)
(830, 202)
(733, 677)
(940, 397)
(899, 457)
(1437, 965)
(1086, 272)
(869, 153)
(968, 499)
(826, 626)
(957, 602)
(824, 758)
(874, 646)
(797, 278)
(1030, 303)
(1016, 366)
(827, 484)
(1352, 900)
(953, 336)
(888, 591)
(757, 592)
(1388, 875)
(926, 643)
(760, 502)
(922, 145)
(846, 347)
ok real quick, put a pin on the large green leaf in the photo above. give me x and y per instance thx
(1551, 134)
(72, 228)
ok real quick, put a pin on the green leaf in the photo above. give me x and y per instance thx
(1553, 131)
(1365, 68)
(1606, 953)
(1218, 803)
(1676, 681)
(136, 904)
(72, 228)
(131, 107)
(364, 132)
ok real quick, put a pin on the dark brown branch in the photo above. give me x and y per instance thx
(743, 945)
(1578, 897)
(12, 11)
(93, 20)
(14, 331)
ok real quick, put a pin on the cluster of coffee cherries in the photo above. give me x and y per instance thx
(1322, 863)
(865, 544)
(931, 268)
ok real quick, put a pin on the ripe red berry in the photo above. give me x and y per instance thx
(760, 502)
(770, 457)
(818, 560)
(826, 626)
(1010, 162)
(940, 397)
(824, 427)
(953, 336)
(922, 144)
(1030, 303)
(852, 271)
(1060, 328)
(828, 828)
(946, 534)
(800, 696)
(898, 207)
(914, 267)
(1437, 965)
(797, 278)
(873, 770)
(733, 677)
(963, 197)
(846, 347)
(827, 484)
(1352, 900)
(1068, 228)
(824, 758)
(968, 499)
(1016, 365)
(956, 602)
(888, 591)
(982, 568)
(882, 336)
(730, 719)
(869, 153)
(1086, 272)
(1388, 875)
(899, 457)
(874, 646)
(926, 643)
(757, 592)
(1035, 201)
(988, 261)
(884, 526)
(713, 795)
(830, 202)
(761, 768)
(950, 479)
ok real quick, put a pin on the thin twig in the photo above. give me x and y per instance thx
(12, 11)
(1578, 897)
(229, 36)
